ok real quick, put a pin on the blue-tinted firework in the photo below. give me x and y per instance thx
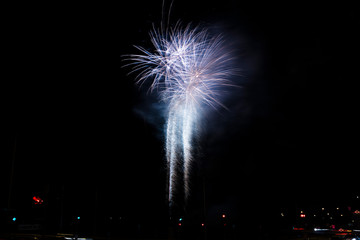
(189, 68)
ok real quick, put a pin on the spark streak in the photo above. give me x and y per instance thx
(189, 68)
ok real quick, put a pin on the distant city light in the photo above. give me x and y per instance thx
(180, 219)
(223, 216)
(14, 219)
(203, 224)
(323, 209)
(321, 229)
(78, 218)
(71, 238)
(298, 229)
(302, 215)
(37, 200)
(282, 214)
(179, 224)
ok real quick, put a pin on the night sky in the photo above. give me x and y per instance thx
(289, 136)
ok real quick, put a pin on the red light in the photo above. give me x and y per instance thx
(357, 212)
(202, 224)
(302, 215)
(224, 224)
(298, 229)
(37, 200)
(179, 224)
(223, 216)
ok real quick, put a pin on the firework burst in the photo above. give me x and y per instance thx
(188, 67)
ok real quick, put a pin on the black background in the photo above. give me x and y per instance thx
(290, 136)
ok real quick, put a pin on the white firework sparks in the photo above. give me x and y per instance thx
(189, 68)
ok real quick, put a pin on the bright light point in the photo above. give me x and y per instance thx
(320, 229)
(179, 224)
(202, 224)
(14, 219)
(78, 218)
(337, 208)
(223, 216)
(323, 209)
(180, 219)
(37, 200)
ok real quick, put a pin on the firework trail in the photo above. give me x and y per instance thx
(189, 68)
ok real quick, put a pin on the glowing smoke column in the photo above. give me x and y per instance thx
(172, 146)
(188, 68)
(188, 121)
